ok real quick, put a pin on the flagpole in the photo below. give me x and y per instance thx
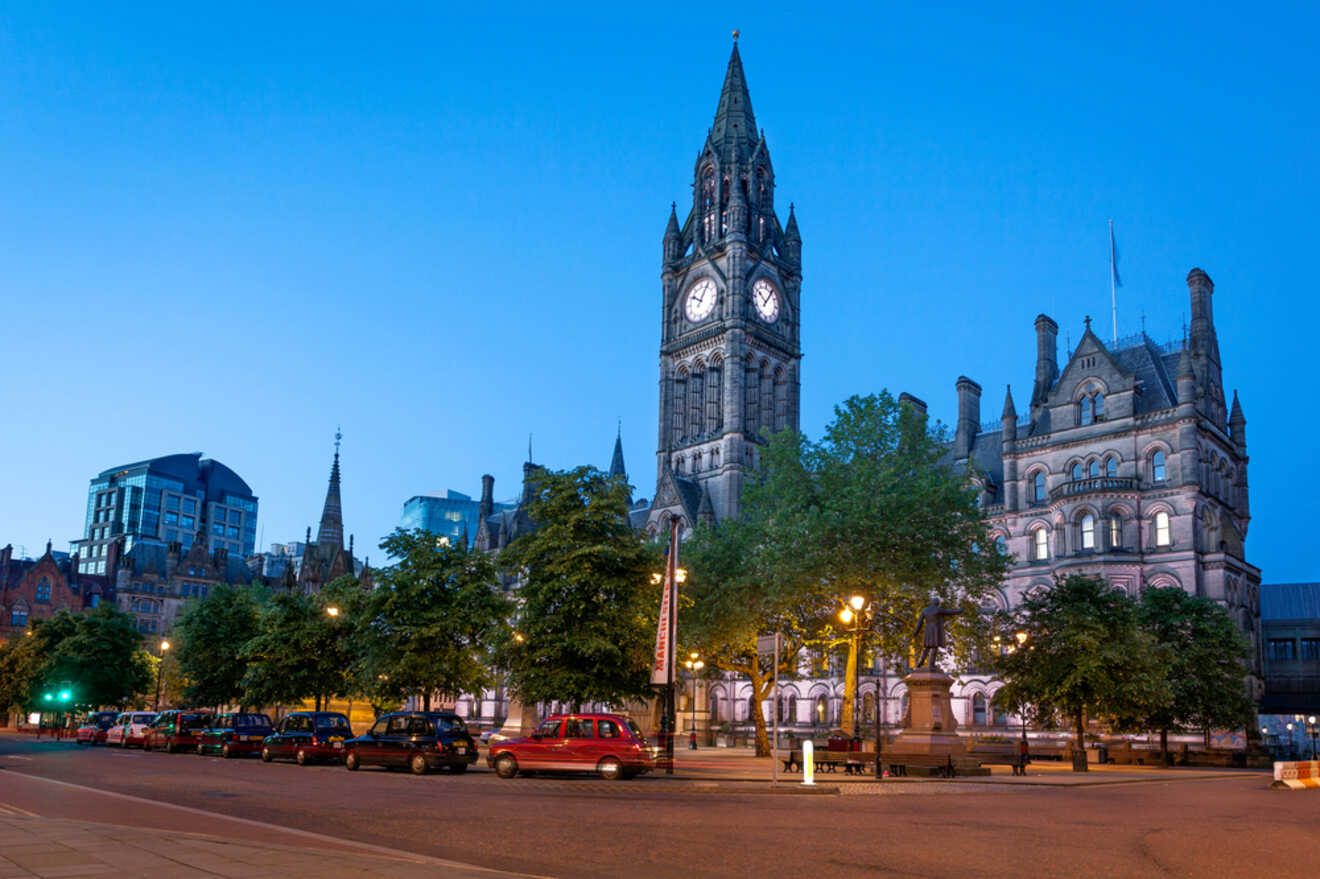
(1113, 295)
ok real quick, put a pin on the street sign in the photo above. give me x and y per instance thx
(767, 645)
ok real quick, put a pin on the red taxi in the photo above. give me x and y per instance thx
(609, 744)
(176, 731)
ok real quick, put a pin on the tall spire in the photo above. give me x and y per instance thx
(331, 532)
(734, 134)
(616, 462)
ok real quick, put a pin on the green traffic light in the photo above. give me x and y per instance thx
(65, 695)
(49, 697)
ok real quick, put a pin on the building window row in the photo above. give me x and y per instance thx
(1088, 539)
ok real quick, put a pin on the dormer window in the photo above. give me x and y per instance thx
(1093, 407)
(1099, 402)
(1088, 414)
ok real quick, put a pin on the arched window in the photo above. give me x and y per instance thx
(1041, 542)
(708, 204)
(680, 405)
(1088, 531)
(978, 709)
(1157, 471)
(1111, 467)
(43, 591)
(1001, 545)
(1093, 471)
(714, 709)
(868, 709)
(1162, 529)
(1099, 405)
(1087, 414)
(1038, 487)
(1115, 531)
(1076, 472)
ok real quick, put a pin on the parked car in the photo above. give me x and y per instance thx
(610, 744)
(130, 729)
(234, 734)
(308, 736)
(420, 740)
(94, 727)
(176, 730)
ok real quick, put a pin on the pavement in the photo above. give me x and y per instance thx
(31, 845)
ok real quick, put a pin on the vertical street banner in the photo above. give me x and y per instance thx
(662, 665)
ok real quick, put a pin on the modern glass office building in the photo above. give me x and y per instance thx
(166, 500)
(447, 513)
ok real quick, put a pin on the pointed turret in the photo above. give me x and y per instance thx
(463, 537)
(331, 532)
(733, 136)
(1008, 418)
(1237, 423)
(706, 509)
(616, 461)
(792, 249)
(673, 244)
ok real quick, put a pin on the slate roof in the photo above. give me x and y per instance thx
(1290, 601)
(1154, 369)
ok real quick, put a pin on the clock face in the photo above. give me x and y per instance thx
(700, 300)
(766, 299)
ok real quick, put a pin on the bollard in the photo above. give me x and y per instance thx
(808, 762)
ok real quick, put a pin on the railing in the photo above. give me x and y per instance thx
(998, 423)
(1093, 484)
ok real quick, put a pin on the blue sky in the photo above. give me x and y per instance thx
(232, 230)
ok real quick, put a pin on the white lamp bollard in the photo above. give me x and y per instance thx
(808, 762)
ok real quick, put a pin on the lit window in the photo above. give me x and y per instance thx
(43, 591)
(1111, 467)
(1038, 487)
(1161, 528)
(18, 617)
(1157, 470)
(1088, 531)
(1087, 415)
(1041, 541)
(1077, 472)
(1115, 531)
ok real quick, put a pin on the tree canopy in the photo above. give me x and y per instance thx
(98, 656)
(587, 611)
(211, 634)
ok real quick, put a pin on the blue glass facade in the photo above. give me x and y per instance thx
(444, 514)
(166, 500)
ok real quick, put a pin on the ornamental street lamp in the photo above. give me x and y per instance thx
(858, 613)
(1311, 731)
(160, 671)
(694, 665)
(1021, 638)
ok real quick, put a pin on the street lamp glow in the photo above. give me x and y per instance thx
(332, 611)
(857, 602)
(517, 636)
(846, 615)
(681, 575)
(1021, 638)
(164, 645)
(1311, 720)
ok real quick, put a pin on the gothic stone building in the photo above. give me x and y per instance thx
(38, 589)
(729, 347)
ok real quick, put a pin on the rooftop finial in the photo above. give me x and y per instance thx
(529, 447)
(1088, 323)
(338, 436)
(735, 35)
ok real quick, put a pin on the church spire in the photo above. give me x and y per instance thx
(331, 532)
(733, 137)
(616, 462)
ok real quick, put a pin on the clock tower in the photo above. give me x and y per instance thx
(729, 340)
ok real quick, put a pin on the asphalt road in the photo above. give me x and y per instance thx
(652, 827)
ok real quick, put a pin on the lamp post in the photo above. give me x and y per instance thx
(1291, 750)
(1021, 638)
(160, 671)
(694, 665)
(1311, 731)
(857, 612)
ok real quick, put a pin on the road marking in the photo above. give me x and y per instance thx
(397, 854)
(15, 811)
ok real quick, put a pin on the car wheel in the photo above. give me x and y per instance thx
(506, 766)
(169, 748)
(351, 762)
(265, 755)
(146, 744)
(610, 769)
(201, 752)
(417, 764)
(301, 756)
(225, 751)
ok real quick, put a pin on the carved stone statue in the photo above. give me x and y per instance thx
(932, 621)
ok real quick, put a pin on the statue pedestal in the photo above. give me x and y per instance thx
(929, 739)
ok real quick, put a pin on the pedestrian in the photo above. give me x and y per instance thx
(1023, 758)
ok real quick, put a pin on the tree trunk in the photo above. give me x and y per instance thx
(760, 685)
(1164, 746)
(1079, 758)
(426, 700)
(318, 701)
(849, 690)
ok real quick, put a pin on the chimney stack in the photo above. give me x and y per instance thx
(1047, 363)
(487, 505)
(969, 417)
(916, 402)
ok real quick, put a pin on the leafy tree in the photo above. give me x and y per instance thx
(20, 667)
(872, 509)
(1207, 663)
(1085, 655)
(428, 625)
(211, 634)
(587, 618)
(102, 658)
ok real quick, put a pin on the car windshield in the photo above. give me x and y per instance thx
(143, 718)
(636, 730)
(244, 721)
(332, 724)
(194, 721)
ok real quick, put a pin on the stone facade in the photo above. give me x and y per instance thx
(33, 589)
(730, 293)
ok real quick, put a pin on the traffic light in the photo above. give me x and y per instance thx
(48, 697)
(65, 695)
